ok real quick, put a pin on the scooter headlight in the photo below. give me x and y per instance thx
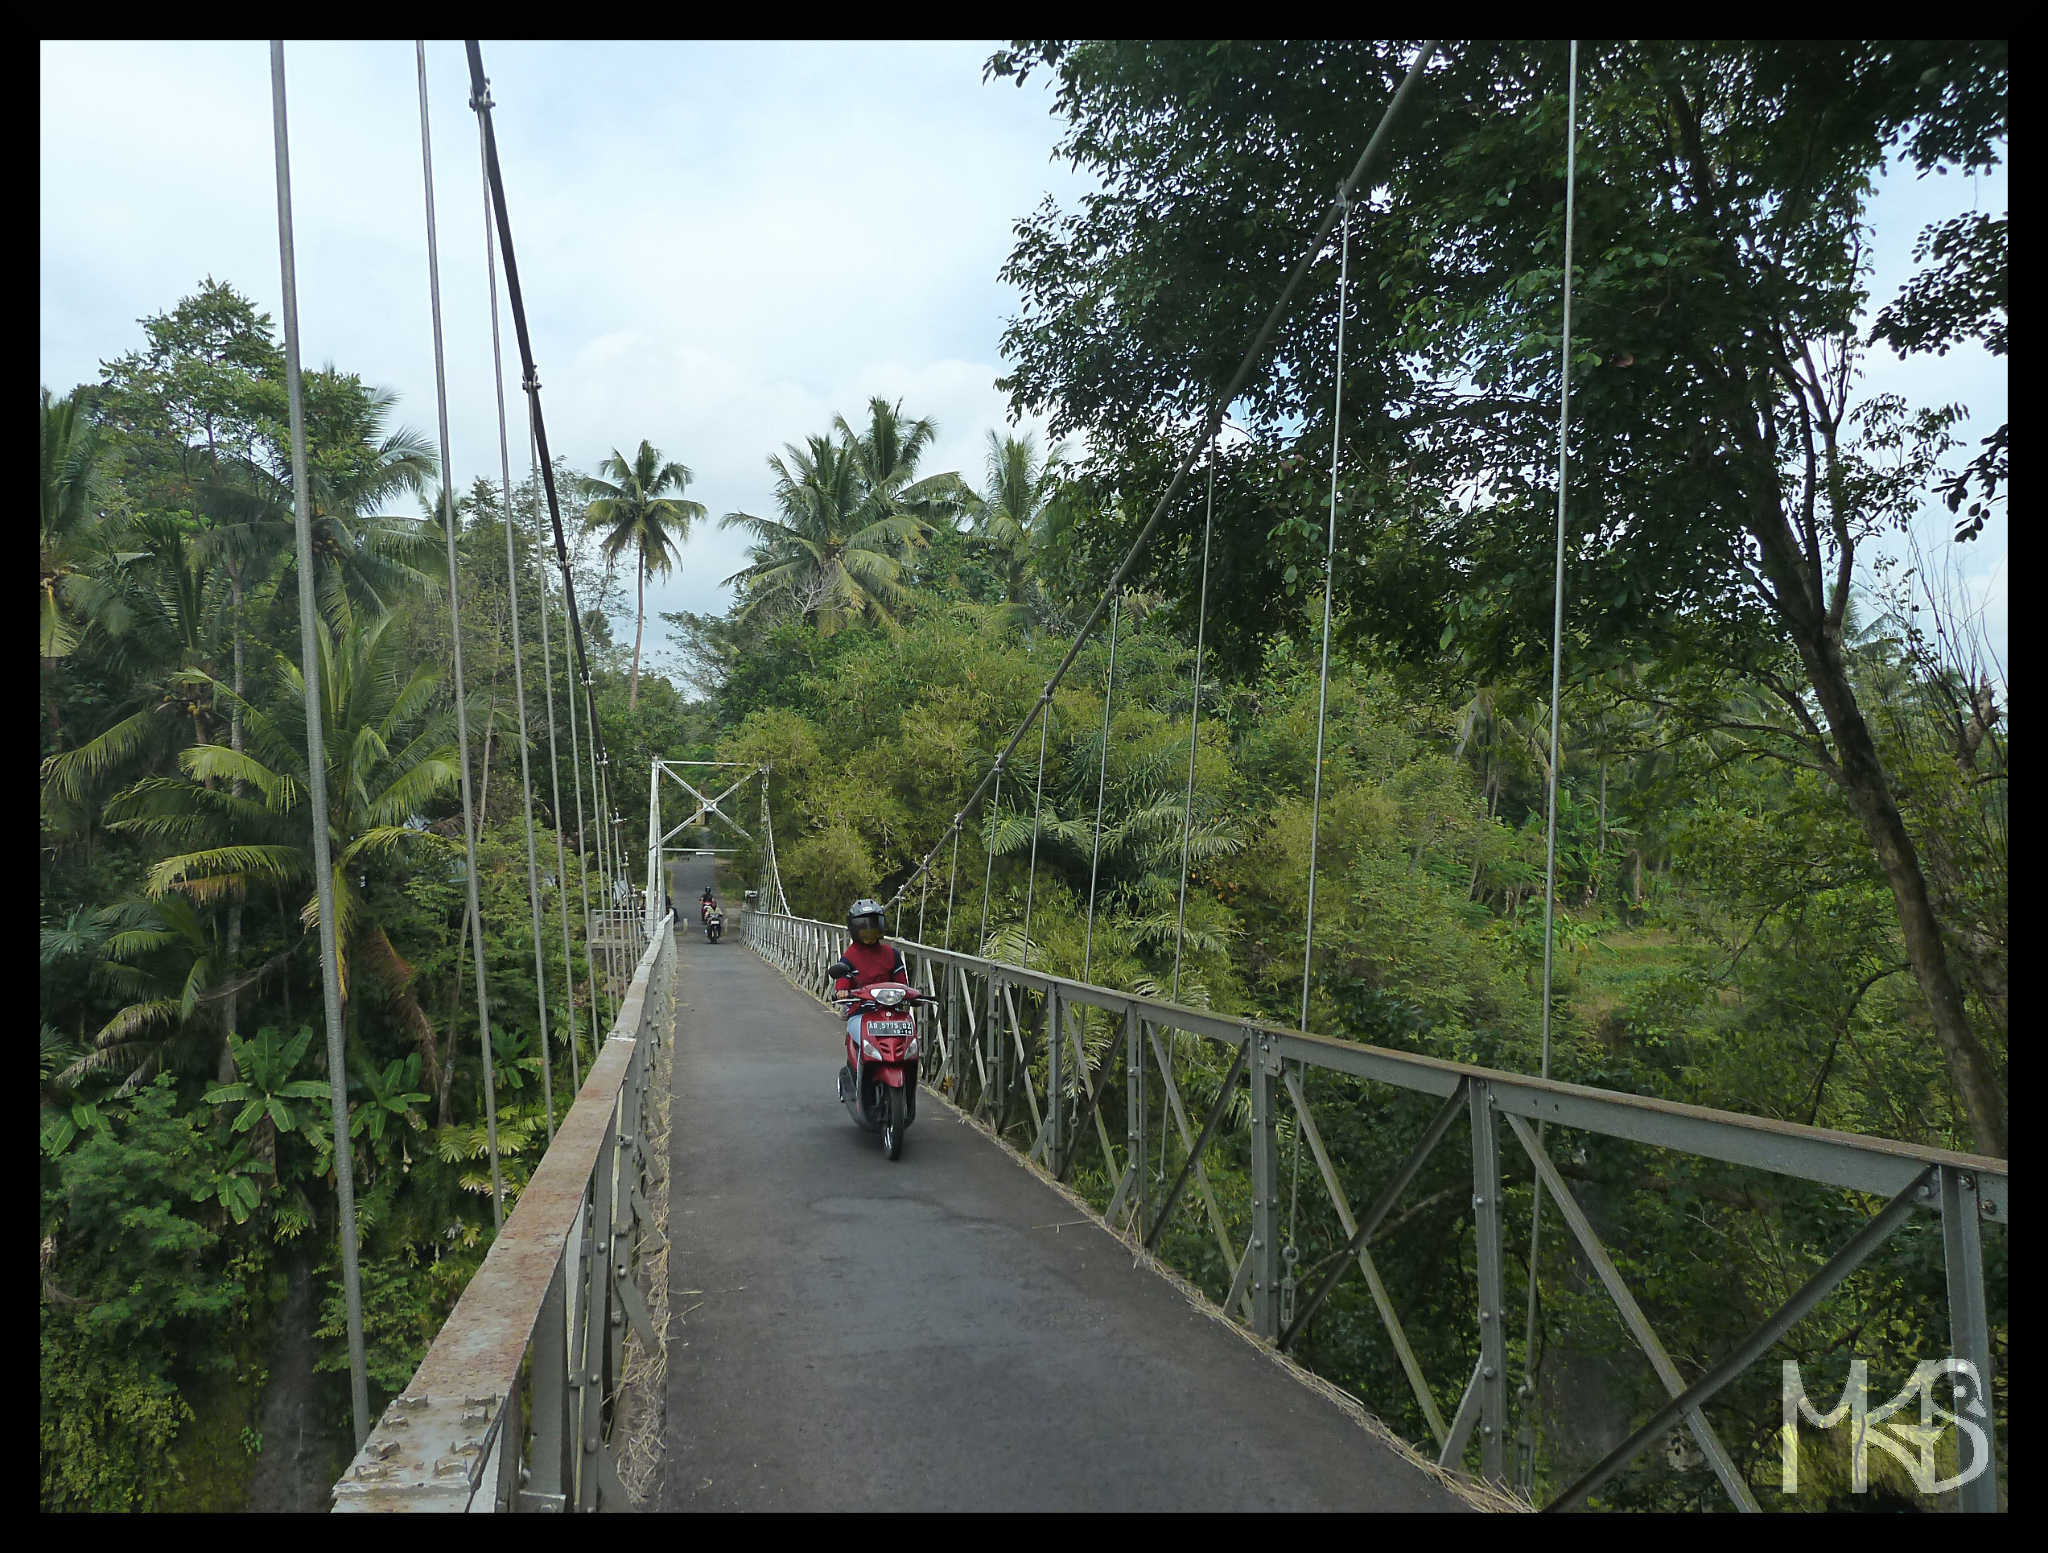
(867, 1049)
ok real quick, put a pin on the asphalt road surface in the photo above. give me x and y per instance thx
(852, 1334)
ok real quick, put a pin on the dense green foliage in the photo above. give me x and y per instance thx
(187, 1127)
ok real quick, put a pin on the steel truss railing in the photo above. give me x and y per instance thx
(1011, 1046)
(512, 1407)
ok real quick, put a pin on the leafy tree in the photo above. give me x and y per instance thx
(1726, 471)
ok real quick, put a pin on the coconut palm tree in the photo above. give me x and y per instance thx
(159, 608)
(852, 509)
(828, 556)
(1009, 516)
(887, 453)
(73, 451)
(387, 756)
(627, 501)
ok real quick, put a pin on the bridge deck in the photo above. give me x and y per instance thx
(851, 1334)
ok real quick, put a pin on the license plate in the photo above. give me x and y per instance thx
(878, 1028)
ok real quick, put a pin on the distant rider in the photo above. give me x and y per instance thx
(868, 960)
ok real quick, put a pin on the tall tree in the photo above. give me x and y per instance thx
(1010, 514)
(1726, 470)
(626, 500)
(829, 555)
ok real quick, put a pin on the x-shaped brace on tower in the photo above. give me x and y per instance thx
(706, 808)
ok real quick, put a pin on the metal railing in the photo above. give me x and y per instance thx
(512, 1406)
(998, 1028)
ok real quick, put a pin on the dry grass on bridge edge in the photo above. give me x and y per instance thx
(644, 1376)
(1477, 1494)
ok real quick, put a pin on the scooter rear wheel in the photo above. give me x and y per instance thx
(892, 1129)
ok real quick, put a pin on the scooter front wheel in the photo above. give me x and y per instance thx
(892, 1129)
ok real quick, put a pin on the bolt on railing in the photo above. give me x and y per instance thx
(512, 1406)
(999, 1032)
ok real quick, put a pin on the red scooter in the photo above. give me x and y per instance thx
(881, 1095)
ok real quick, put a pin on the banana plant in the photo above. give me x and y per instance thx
(393, 1096)
(235, 1187)
(267, 1091)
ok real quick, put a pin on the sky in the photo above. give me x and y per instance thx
(721, 245)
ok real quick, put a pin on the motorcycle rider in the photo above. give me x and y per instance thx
(870, 960)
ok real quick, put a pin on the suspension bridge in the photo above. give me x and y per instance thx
(713, 1294)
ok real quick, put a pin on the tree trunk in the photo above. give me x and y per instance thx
(639, 625)
(1862, 777)
(1600, 846)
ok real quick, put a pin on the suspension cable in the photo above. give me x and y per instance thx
(989, 874)
(597, 817)
(316, 767)
(952, 874)
(555, 780)
(1367, 160)
(1308, 948)
(540, 977)
(1187, 813)
(1037, 798)
(515, 299)
(583, 869)
(1101, 786)
(1525, 1466)
(469, 819)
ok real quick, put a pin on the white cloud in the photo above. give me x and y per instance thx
(721, 245)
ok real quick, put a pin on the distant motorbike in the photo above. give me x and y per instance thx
(714, 925)
(881, 1095)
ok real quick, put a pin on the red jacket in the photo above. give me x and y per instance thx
(871, 963)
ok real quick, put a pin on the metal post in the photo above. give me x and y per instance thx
(550, 1462)
(1264, 1249)
(1055, 1068)
(1969, 1328)
(1486, 1219)
(599, 1301)
(1135, 1107)
(654, 881)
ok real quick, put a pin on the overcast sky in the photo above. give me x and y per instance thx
(722, 244)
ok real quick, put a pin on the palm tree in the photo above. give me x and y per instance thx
(386, 758)
(851, 511)
(628, 501)
(73, 451)
(158, 608)
(164, 958)
(887, 453)
(827, 556)
(1009, 515)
